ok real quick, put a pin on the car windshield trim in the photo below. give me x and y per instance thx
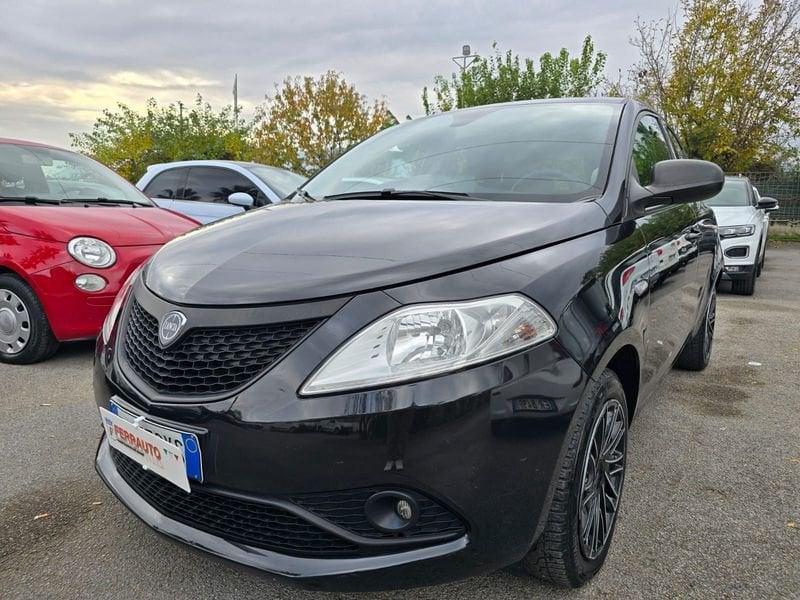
(30, 200)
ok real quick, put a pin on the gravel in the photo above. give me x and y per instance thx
(711, 506)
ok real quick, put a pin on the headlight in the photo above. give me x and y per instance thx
(92, 252)
(736, 231)
(431, 339)
(116, 306)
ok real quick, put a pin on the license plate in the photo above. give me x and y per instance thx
(170, 453)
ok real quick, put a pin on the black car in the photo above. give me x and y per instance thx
(423, 366)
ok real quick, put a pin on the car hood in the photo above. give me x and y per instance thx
(291, 252)
(115, 225)
(734, 215)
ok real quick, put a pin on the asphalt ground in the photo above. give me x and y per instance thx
(711, 506)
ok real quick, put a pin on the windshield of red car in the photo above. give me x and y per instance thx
(52, 174)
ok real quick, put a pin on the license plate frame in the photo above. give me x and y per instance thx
(132, 434)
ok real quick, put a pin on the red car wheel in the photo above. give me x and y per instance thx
(25, 335)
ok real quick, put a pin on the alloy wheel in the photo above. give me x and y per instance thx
(603, 475)
(711, 317)
(15, 323)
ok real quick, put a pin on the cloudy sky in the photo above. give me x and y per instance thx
(65, 60)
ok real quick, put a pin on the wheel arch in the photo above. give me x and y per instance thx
(626, 365)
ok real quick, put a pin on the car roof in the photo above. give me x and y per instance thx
(17, 142)
(209, 163)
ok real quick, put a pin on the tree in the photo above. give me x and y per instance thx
(128, 141)
(309, 122)
(727, 79)
(504, 78)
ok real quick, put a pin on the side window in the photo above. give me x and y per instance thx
(167, 184)
(756, 196)
(649, 147)
(676, 145)
(215, 184)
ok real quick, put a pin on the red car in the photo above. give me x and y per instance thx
(71, 233)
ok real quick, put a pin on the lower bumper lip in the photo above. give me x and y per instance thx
(272, 562)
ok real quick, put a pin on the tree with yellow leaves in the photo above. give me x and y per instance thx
(727, 79)
(309, 122)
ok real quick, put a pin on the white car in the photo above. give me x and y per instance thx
(743, 221)
(209, 190)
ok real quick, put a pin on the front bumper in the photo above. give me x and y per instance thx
(739, 267)
(484, 443)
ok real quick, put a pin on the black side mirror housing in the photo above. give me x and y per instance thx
(679, 181)
(768, 204)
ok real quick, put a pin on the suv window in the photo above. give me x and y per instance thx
(215, 184)
(167, 184)
(649, 147)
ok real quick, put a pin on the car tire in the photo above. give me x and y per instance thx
(561, 555)
(21, 314)
(696, 352)
(747, 286)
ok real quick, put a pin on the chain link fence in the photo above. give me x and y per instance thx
(785, 187)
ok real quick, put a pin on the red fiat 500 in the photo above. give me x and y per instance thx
(71, 233)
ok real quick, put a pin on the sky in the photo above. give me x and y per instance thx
(64, 61)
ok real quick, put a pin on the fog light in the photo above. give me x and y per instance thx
(90, 283)
(391, 511)
(404, 510)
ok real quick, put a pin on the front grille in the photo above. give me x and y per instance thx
(737, 252)
(346, 509)
(206, 361)
(247, 522)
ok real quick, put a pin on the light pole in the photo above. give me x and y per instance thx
(466, 58)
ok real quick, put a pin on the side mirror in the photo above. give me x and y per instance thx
(680, 181)
(768, 204)
(242, 199)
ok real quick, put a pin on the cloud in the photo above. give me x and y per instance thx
(63, 62)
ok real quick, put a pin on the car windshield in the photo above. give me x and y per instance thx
(545, 152)
(52, 174)
(734, 193)
(283, 182)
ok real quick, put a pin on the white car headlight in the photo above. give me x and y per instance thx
(430, 339)
(92, 252)
(736, 231)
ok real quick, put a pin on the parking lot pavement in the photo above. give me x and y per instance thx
(711, 507)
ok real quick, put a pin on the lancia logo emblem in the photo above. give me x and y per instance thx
(171, 325)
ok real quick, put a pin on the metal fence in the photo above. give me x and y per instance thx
(783, 186)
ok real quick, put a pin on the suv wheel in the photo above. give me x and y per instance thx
(696, 353)
(25, 334)
(580, 525)
(747, 286)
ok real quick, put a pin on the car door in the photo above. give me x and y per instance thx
(205, 196)
(165, 187)
(672, 234)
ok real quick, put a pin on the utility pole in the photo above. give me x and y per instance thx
(235, 100)
(466, 58)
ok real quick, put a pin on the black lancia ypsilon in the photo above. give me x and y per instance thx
(422, 366)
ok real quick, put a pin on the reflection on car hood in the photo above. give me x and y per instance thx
(295, 252)
(118, 226)
(734, 215)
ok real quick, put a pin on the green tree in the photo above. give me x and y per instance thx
(128, 141)
(727, 79)
(309, 122)
(504, 77)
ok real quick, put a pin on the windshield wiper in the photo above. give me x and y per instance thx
(391, 193)
(304, 195)
(29, 199)
(102, 200)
